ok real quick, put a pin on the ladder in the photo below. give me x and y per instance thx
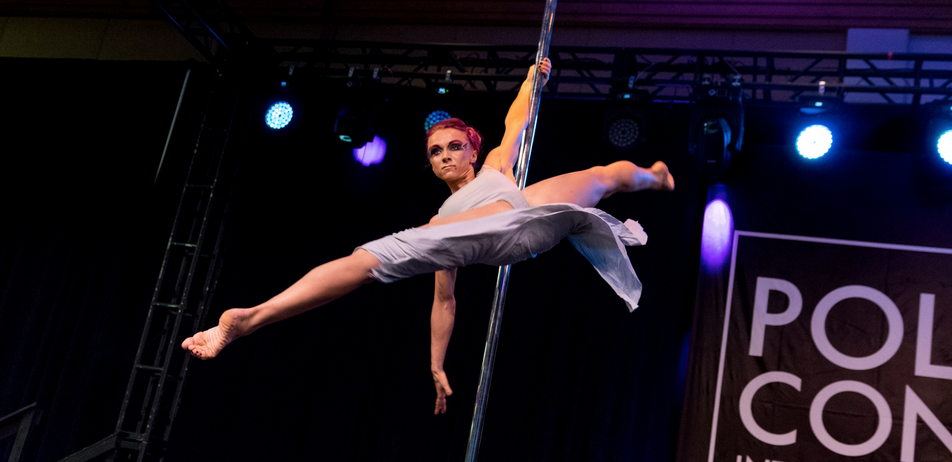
(183, 290)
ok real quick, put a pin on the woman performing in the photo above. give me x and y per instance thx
(486, 219)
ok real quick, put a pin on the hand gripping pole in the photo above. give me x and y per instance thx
(502, 280)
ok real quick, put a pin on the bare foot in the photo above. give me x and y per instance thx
(664, 178)
(207, 344)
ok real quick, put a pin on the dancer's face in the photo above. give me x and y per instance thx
(451, 155)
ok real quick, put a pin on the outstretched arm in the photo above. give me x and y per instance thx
(441, 328)
(503, 158)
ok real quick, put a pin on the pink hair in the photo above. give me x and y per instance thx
(473, 136)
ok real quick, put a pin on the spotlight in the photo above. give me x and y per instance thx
(442, 101)
(814, 141)
(361, 101)
(279, 115)
(939, 128)
(282, 104)
(815, 138)
(372, 152)
(717, 127)
(945, 146)
(624, 132)
(627, 117)
(354, 125)
(435, 117)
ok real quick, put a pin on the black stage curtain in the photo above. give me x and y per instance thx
(577, 377)
(79, 254)
(870, 217)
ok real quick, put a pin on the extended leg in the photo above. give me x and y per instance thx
(320, 286)
(585, 188)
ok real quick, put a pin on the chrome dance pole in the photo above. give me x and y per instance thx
(502, 280)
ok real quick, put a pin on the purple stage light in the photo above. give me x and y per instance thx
(716, 233)
(372, 152)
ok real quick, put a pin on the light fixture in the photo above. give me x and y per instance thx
(354, 125)
(944, 146)
(282, 104)
(717, 126)
(279, 115)
(939, 128)
(814, 141)
(435, 117)
(817, 109)
(624, 132)
(626, 119)
(441, 101)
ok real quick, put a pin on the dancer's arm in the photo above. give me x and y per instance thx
(441, 328)
(504, 157)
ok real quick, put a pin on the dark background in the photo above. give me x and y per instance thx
(577, 377)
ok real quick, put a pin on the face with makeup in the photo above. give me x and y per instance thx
(451, 157)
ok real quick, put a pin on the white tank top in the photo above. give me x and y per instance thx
(490, 185)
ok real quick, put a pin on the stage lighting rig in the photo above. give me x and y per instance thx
(717, 125)
(818, 110)
(356, 120)
(442, 97)
(814, 141)
(354, 125)
(279, 115)
(435, 116)
(282, 105)
(945, 146)
(626, 119)
(939, 114)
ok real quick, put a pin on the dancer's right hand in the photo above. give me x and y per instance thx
(442, 391)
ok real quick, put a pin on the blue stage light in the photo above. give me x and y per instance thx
(279, 115)
(434, 118)
(372, 152)
(945, 146)
(814, 141)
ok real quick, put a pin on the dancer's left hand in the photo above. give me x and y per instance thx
(442, 391)
(545, 68)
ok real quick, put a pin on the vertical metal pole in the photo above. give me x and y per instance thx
(502, 280)
(178, 106)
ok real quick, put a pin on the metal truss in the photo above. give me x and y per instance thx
(184, 288)
(210, 26)
(580, 72)
(667, 74)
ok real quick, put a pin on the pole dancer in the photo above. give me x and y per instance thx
(486, 219)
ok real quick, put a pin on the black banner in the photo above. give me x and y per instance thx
(829, 352)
